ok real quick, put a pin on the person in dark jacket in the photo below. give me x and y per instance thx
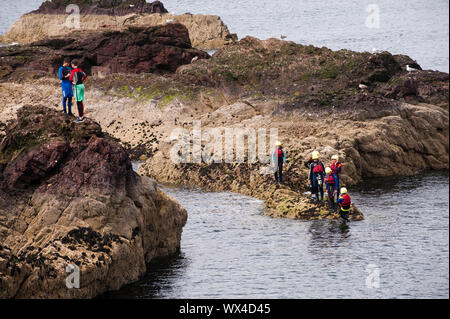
(316, 177)
(278, 159)
(310, 161)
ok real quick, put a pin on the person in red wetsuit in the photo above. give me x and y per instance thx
(345, 203)
(336, 168)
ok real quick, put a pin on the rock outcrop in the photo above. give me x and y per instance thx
(68, 196)
(205, 31)
(396, 123)
(157, 49)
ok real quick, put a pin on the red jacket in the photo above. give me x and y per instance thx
(77, 76)
(336, 167)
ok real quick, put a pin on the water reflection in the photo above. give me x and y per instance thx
(326, 233)
(162, 274)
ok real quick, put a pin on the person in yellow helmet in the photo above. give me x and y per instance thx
(311, 160)
(278, 160)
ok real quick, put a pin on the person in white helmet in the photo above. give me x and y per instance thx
(345, 203)
(278, 160)
(336, 168)
(316, 177)
(330, 185)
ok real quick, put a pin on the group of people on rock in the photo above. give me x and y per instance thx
(318, 177)
(72, 84)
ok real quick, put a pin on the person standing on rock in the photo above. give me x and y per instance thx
(310, 161)
(278, 159)
(77, 77)
(331, 187)
(316, 177)
(336, 168)
(344, 202)
(67, 91)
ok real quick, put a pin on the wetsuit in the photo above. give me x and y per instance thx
(278, 158)
(332, 190)
(66, 88)
(345, 203)
(316, 176)
(77, 77)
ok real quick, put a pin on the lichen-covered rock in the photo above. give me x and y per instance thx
(68, 196)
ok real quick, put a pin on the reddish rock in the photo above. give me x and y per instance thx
(69, 196)
(158, 49)
(35, 165)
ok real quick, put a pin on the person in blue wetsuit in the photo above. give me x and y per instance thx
(67, 91)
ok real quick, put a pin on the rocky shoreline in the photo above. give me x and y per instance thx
(381, 120)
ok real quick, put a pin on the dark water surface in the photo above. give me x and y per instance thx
(418, 28)
(230, 250)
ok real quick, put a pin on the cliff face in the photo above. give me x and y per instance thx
(205, 31)
(68, 196)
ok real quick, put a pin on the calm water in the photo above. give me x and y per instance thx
(418, 28)
(230, 250)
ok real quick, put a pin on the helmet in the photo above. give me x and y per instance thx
(327, 170)
(278, 143)
(315, 155)
(343, 190)
(335, 157)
